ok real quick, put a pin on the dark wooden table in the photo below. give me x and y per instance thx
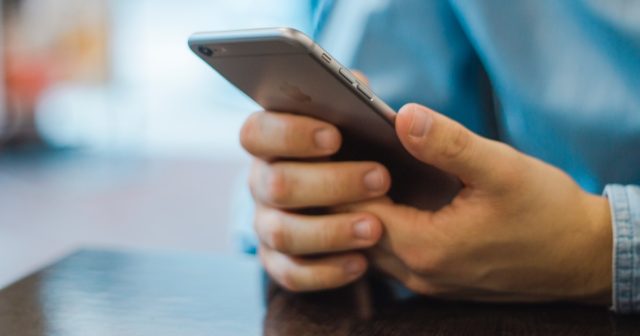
(125, 293)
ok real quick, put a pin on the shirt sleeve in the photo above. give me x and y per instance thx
(625, 212)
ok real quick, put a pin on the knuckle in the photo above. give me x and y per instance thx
(247, 131)
(266, 259)
(290, 133)
(253, 179)
(289, 281)
(277, 236)
(347, 182)
(328, 237)
(332, 183)
(277, 190)
(457, 144)
(511, 173)
(266, 226)
(258, 222)
(262, 256)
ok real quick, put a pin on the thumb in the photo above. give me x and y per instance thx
(439, 141)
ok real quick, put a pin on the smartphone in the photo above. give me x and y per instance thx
(283, 70)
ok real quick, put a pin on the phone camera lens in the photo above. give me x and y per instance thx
(205, 51)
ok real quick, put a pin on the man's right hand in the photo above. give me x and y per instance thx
(309, 252)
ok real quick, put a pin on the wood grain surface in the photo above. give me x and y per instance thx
(96, 292)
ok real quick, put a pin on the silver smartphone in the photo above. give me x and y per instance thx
(283, 70)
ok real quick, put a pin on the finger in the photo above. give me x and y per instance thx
(393, 266)
(388, 264)
(294, 185)
(296, 234)
(271, 135)
(300, 274)
(406, 229)
(444, 143)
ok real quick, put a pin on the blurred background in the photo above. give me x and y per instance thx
(112, 133)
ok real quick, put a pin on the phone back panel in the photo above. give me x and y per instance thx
(284, 73)
(296, 83)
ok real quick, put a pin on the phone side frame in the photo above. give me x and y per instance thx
(334, 67)
(300, 42)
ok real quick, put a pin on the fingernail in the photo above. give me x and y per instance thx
(325, 139)
(373, 180)
(420, 123)
(353, 267)
(362, 229)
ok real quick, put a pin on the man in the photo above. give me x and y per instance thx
(546, 101)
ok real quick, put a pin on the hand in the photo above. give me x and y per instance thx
(520, 230)
(283, 182)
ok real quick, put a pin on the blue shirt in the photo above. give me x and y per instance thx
(558, 80)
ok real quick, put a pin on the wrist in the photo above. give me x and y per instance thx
(598, 257)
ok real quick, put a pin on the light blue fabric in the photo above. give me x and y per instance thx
(625, 209)
(564, 76)
(559, 80)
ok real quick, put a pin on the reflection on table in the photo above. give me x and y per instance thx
(119, 293)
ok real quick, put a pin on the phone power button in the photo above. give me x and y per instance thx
(365, 92)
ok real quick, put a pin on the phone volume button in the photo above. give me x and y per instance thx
(365, 92)
(347, 75)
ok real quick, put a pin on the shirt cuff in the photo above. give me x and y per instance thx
(625, 212)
